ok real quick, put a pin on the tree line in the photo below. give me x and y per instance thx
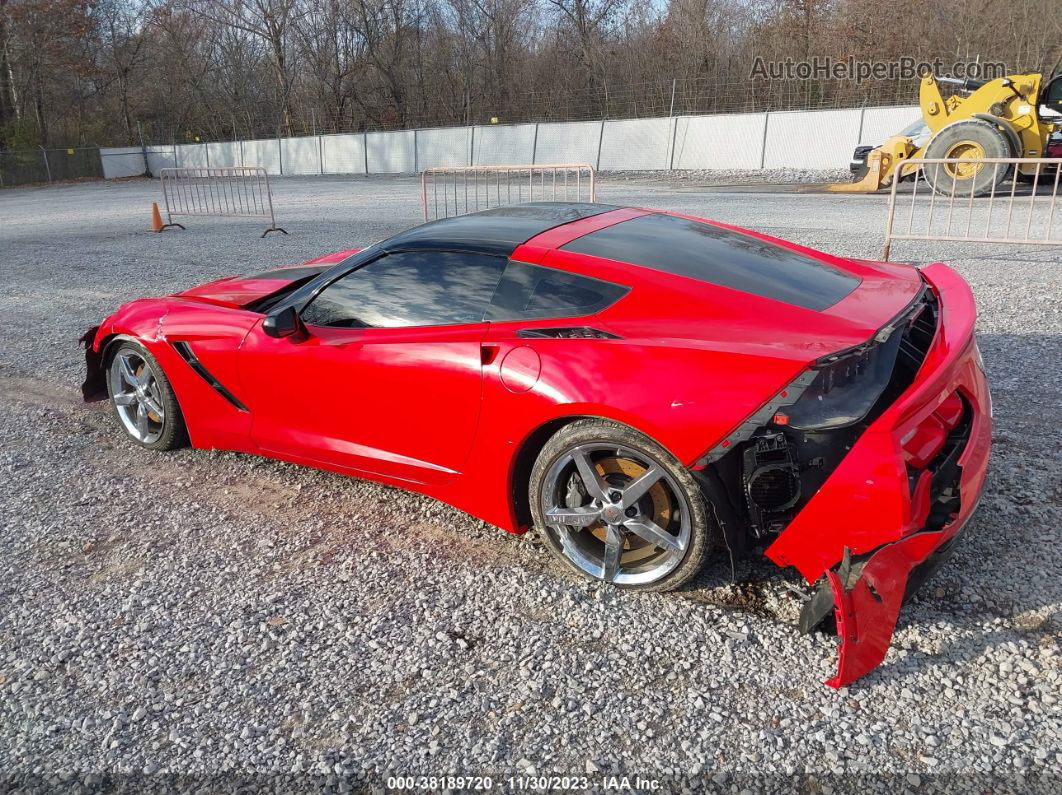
(88, 72)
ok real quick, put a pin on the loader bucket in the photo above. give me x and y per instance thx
(877, 165)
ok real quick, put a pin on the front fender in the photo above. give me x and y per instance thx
(140, 320)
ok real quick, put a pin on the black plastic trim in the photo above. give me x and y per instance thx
(186, 353)
(94, 387)
(567, 333)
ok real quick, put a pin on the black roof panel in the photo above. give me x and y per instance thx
(498, 230)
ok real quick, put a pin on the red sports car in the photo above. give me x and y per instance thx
(641, 386)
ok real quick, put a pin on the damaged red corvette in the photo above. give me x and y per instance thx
(647, 389)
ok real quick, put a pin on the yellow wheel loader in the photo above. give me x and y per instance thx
(1008, 117)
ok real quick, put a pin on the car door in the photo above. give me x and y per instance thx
(388, 378)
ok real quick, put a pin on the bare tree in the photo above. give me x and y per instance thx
(73, 71)
(589, 21)
(270, 20)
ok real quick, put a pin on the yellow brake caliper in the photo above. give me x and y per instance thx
(634, 548)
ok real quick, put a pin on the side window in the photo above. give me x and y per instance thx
(1052, 97)
(418, 288)
(533, 291)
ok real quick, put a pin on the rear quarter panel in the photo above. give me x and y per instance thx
(685, 397)
(866, 503)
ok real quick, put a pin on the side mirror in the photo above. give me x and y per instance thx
(285, 324)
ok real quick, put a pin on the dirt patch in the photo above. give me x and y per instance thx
(31, 392)
(750, 597)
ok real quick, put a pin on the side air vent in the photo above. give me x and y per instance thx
(186, 353)
(569, 333)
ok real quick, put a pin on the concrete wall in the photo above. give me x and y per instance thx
(880, 123)
(445, 146)
(392, 152)
(797, 139)
(301, 155)
(732, 141)
(511, 144)
(636, 144)
(264, 153)
(814, 140)
(570, 142)
(343, 154)
(126, 161)
(159, 157)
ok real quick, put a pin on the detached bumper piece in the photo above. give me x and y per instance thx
(94, 387)
(867, 599)
(889, 512)
(866, 610)
(868, 596)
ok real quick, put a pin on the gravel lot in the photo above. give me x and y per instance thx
(197, 614)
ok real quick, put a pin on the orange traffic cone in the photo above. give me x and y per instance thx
(156, 218)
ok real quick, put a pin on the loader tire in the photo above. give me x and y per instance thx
(970, 138)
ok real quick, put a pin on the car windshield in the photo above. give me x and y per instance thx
(916, 130)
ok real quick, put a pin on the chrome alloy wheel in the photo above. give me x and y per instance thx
(616, 513)
(134, 392)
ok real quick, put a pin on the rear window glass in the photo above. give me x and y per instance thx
(719, 256)
(533, 291)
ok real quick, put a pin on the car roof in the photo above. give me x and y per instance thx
(682, 247)
(499, 230)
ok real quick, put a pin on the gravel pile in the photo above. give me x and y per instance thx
(171, 620)
(733, 176)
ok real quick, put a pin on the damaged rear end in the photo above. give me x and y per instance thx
(862, 472)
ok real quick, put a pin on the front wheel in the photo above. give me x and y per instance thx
(616, 506)
(970, 139)
(143, 399)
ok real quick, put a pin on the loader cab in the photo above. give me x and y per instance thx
(918, 131)
(1050, 109)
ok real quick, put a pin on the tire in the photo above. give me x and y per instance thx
(968, 138)
(143, 400)
(641, 522)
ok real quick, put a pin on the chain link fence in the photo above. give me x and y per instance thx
(32, 166)
(651, 99)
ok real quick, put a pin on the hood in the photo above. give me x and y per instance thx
(240, 291)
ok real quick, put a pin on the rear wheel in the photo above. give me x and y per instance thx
(143, 399)
(616, 506)
(970, 139)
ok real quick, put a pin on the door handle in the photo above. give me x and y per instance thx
(487, 353)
